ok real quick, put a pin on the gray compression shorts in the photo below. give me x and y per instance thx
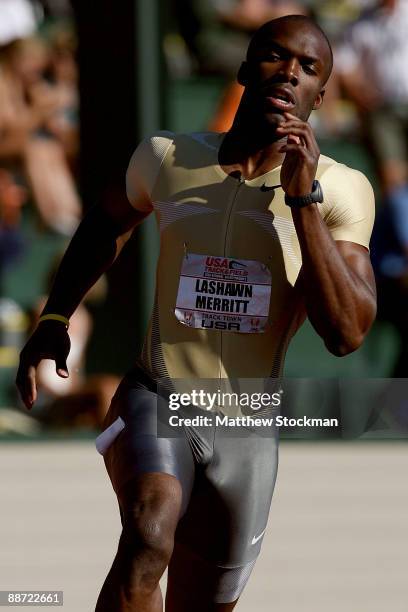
(227, 481)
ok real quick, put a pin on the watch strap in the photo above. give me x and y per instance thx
(316, 195)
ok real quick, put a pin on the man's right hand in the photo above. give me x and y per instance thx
(49, 341)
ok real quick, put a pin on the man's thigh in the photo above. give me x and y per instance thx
(134, 448)
(230, 502)
(219, 538)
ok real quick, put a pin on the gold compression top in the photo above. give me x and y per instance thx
(200, 209)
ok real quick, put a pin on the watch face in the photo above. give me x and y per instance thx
(318, 195)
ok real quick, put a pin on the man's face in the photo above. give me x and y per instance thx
(285, 72)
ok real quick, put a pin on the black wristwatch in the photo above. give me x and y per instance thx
(300, 201)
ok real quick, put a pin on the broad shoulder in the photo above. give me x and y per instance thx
(158, 143)
(336, 174)
(348, 196)
(209, 141)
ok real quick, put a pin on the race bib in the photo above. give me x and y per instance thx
(223, 294)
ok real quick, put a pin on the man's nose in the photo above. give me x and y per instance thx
(290, 70)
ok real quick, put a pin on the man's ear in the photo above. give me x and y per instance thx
(243, 74)
(319, 99)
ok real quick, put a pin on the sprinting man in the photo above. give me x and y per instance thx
(258, 203)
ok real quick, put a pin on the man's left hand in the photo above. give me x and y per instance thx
(302, 155)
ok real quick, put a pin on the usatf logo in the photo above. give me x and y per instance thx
(222, 265)
(223, 262)
(217, 262)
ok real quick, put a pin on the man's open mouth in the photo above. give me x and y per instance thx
(280, 97)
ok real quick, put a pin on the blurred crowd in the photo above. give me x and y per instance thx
(38, 123)
(366, 103)
(39, 142)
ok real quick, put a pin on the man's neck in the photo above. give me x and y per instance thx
(249, 151)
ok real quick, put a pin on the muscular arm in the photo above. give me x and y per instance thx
(336, 279)
(91, 251)
(104, 230)
(337, 282)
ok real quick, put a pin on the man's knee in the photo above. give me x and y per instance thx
(146, 536)
(146, 543)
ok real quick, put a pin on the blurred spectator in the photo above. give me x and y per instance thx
(391, 267)
(13, 322)
(249, 15)
(55, 9)
(17, 20)
(216, 48)
(217, 32)
(334, 17)
(12, 197)
(371, 62)
(31, 136)
(63, 74)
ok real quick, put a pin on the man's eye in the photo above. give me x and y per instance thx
(273, 58)
(308, 69)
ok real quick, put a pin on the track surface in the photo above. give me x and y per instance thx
(336, 541)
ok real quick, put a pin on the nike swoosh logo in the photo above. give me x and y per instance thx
(269, 188)
(255, 539)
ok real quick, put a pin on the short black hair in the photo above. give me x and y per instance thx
(270, 26)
